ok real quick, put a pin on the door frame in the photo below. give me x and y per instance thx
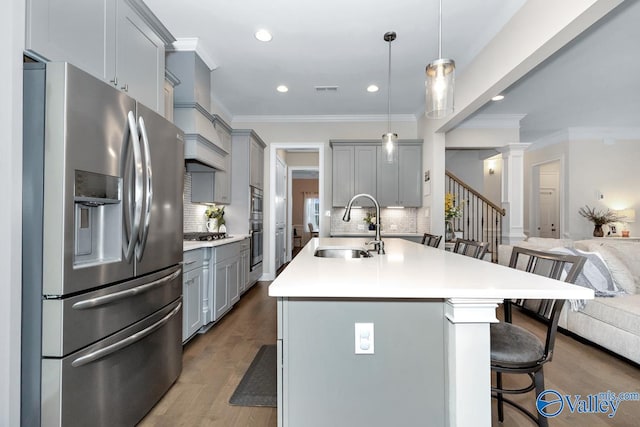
(318, 147)
(534, 196)
(290, 202)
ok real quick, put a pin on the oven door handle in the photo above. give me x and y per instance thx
(116, 296)
(110, 349)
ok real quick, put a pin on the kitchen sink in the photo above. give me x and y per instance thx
(342, 252)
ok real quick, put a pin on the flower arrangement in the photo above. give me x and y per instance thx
(215, 212)
(599, 218)
(450, 209)
(369, 219)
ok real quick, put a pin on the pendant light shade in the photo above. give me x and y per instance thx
(389, 139)
(440, 81)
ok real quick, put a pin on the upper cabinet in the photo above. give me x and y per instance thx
(359, 167)
(256, 158)
(118, 41)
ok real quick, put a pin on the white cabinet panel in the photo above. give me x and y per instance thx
(364, 175)
(192, 287)
(410, 176)
(342, 175)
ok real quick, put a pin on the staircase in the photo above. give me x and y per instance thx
(481, 219)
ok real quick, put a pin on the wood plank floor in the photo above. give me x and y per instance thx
(215, 362)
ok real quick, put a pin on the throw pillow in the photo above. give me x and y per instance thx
(595, 273)
(619, 271)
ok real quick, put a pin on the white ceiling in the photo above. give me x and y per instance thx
(592, 82)
(330, 42)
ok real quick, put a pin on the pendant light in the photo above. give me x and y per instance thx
(440, 81)
(389, 139)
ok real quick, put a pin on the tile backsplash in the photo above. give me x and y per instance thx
(392, 220)
(194, 219)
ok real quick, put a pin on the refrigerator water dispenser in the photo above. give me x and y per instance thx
(98, 213)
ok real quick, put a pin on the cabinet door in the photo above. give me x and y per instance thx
(387, 179)
(221, 296)
(139, 58)
(342, 175)
(364, 173)
(233, 280)
(410, 175)
(72, 31)
(256, 154)
(192, 286)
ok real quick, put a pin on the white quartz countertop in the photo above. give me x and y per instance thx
(189, 245)
(372, 233)
(411, 270)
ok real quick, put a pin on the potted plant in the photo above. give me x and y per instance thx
(215, 218)
(451, 211)
(598, 218)
(371, 220)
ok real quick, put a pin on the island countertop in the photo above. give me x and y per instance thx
(411, 270)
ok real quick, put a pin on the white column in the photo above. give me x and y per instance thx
(513, 192)
(467, 360)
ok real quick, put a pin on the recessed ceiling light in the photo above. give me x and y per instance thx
(282, 89)
(498, 98)
(372, 88)
(263, 35)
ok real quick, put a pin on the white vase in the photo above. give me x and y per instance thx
(212, 225)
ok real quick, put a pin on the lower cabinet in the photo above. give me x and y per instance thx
(212, 281)
(245, 259)
(194, 278)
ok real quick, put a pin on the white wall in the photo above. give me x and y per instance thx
(295, 159)
(590, 166)
(12, 34)
(481, 138)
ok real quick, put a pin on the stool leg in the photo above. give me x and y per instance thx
(500, 402)
(539, 382)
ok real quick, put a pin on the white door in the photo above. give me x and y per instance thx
(548, 214)
(548, 211)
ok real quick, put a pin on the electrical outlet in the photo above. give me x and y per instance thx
(364, 338)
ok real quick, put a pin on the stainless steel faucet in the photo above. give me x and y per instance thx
(378, 243)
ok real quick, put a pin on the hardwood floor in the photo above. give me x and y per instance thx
(214, 363)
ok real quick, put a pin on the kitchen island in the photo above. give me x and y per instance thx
(425, 340)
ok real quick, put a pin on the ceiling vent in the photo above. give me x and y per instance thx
(326, 88)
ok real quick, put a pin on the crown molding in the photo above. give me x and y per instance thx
(493, 121)
(193, 44)
(338, 118)
(608, 134)
(152, 20)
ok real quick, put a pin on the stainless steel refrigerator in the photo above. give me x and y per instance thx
(102, 247)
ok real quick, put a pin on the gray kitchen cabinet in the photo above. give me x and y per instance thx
(354, 172)
(364, 175)
(244, 266)
(121, 42)
(399, 183)
(257, 164)
(222, 181)
(342, 174)
(225, 283)
(194, 277)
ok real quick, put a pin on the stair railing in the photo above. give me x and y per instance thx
(481, 219)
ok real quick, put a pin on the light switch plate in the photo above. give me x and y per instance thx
(364, 338)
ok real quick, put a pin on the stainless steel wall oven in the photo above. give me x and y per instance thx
(256, 226)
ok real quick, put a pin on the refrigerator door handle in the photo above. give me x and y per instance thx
(148, 180)
(129, 246)
(116, 296)
(110, 349)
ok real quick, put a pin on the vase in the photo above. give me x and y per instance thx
(597, 231)
(449, 234)
(212, 225)
(372, 227)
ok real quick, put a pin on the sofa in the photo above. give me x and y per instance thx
(611, 322)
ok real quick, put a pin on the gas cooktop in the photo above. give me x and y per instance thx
(203, 236)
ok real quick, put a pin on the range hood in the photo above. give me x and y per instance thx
(202, 144)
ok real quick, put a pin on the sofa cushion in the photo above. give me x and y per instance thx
(621, 274)
(544, 243)
(621, 312)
